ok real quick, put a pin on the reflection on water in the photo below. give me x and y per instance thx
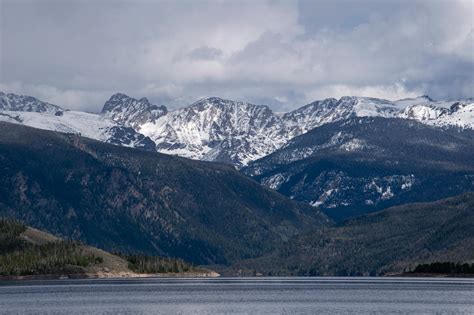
(240, 296)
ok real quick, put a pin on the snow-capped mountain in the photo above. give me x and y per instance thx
(362, 164)
(216, 129)
(131, 112)
(345, 156)
(329, 110)
(454, 113)
(442, 113)
(32, 112)
(13, 102)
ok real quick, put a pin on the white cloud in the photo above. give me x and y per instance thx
(68, 99)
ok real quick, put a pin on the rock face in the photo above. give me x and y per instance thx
(215, 129)
(128, 137)
(13, 102)
(363, 164)
(131, 112)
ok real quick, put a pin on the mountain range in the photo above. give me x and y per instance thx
(242, 186)
(215, 129)
(347, 157)
(135, 201)
(32, 112)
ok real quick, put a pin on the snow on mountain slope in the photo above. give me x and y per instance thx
(13, 102)
(423, 108)
(460, 114)
(312, 115)
(34, 113)
(131, 112)
(218, 129)
(363, 163)
(215, 129)
(88, 125)
(329, 110)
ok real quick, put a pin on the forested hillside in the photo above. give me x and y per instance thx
(364, 164)
(130, 200)
(393, 240)
(27, 252)
(18, 257)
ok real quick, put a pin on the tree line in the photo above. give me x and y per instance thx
(155, 264)
(19, 257)
(445, 268)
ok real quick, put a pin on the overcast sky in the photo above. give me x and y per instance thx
(281, 53)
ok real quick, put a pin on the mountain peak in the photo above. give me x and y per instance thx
(120, 100)
(24, 103)
(222, 103)
(348, 98)
(119, 96)
(124, 97)
(214, 100)
(131, 112)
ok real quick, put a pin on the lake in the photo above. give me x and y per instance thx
(240, 296)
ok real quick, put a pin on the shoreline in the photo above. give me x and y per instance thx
(111, 275)
(212, 274)
(432, 275)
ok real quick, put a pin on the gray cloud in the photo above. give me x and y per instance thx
(76, 53)
(205, 53)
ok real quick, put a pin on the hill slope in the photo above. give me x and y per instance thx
(382, 242)
(124, 199)
(26, 252)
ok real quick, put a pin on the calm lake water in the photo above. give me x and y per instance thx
(240, 296)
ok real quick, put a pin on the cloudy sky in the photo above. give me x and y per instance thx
(281, 53)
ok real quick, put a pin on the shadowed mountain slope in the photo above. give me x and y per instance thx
(391, 240)
(366, 164)
(132, 200)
